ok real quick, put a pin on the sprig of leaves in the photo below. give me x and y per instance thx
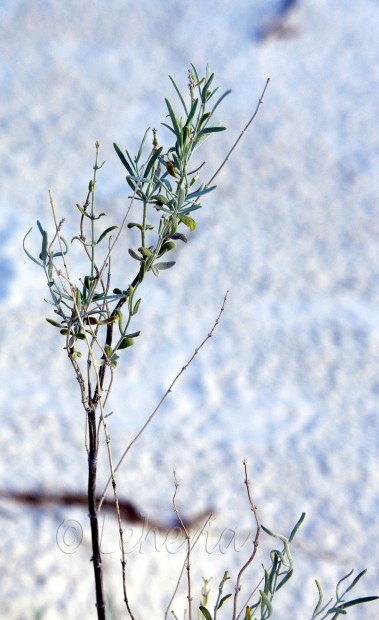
(166, 186)
(275, 577)
(339, 605)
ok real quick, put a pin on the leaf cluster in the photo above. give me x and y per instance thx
(275, 577)
(338, 607)
(165, 185)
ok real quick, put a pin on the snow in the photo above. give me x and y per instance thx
(290, 378)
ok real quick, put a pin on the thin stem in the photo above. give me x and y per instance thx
(165, 395)
(184, 565)
(255, 544)
(244, 130)
(92, 188)
(188, 555)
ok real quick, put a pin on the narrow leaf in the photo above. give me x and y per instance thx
(152, 160)
(173, 119)
(55, 323)
(320, 598)
(142, 145)
(226, 93)
(355, 580)
(208, 130)
(204, 118)
(83, 212)
(358, 601)
(285, 579)
(142, 271)
(205, 89)
(192, 113)
(81, 241)
(296, 527)
(179, 94)
(130, 183)
(26, 251)
(43, 255)
(159, 199)
(341, 580)
(193, 207)
(134, 254)
(105, 233)
(224, 598)
(145, 251)
(266, 603)
(123, 159)
(179, 236)
(166, 265)
(135, 224)
(188, 221)
(64, 251)
(205, 613)
(200, 192)
(167, 247)
(128, 341)
(181, 197)
(136, 306)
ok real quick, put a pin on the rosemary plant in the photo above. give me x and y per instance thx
(95, 317)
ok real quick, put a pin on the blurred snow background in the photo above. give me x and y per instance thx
(290, 379)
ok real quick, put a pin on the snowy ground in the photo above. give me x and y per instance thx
(290, 379)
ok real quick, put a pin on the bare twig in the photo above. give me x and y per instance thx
(255, 544)
(168, 391)
(244, 130)
(194, 542)
(188, 543)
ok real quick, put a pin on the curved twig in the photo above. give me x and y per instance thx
(255, 544)
(168, 391)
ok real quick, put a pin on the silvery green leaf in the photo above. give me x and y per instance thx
(26, 251)
(167, 247)
(55, 323)
(123, 159)
(201, 191)
(208, 130)
(188, 221)
(226, 93)
(142, 145)
(179, 94)
(134, 254)
(205, 612)
(174, 120)
(152, 160)
(165, 265)
(126, 342)
(105, 233)
(136, 306)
